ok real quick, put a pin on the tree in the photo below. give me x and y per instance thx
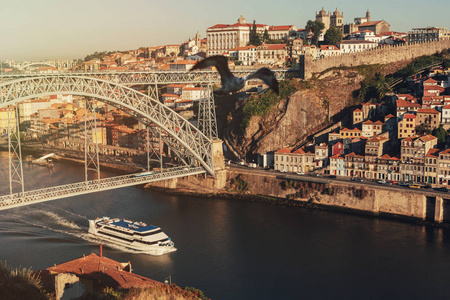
(265, 37)
(440, 133)
(333, 36)
(255, 38)
(316, 28)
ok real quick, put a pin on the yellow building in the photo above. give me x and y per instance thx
(349, 133)
(407, 126)
(4, 112)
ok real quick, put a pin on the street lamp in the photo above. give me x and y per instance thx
(168, 280)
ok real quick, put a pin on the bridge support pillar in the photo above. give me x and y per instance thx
(439, 210)
(220, 179)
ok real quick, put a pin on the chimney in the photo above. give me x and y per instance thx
(101, 250)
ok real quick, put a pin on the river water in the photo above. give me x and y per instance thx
(234, 249)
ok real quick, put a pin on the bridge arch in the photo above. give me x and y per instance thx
(146, 109)
(36, 63)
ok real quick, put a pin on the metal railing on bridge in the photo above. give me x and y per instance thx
(158, 77)
(85, 187)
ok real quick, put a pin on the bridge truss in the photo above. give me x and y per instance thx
(189, 144)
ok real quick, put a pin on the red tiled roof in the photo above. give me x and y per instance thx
(299, 151)
(369, 23)
(409, 116)
(107, 271)
(273, 46)
(427, 137)
(280, 27)
(328, 48)
(427, 111)
(284, 150)
(433, 152)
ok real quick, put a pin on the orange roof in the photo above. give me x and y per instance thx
(284, 150)
(299, 151)
(273, 46)
(369, 23)
(427, 138)
(281, 27)
(433, 152)
(427, 111)
(409, 116)
(328, 47)
(107, 271)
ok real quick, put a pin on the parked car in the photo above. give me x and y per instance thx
(331, 176)
(300, 173)
(283, 170)
(382, 181)
(404, 184)
(313, 174)
(415, 186)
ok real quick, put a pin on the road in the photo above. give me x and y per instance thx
(337, 180)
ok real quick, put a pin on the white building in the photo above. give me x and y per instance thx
(220, 38)
(193, 93)
(281, 32)
(366, 35)
(247, 55)
(29, 107)
(446, 116)
(328, 50)
(352, 46)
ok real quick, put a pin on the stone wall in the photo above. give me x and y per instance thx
(384, 55)
(377, 200)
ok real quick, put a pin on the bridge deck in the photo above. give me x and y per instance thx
(86, 187)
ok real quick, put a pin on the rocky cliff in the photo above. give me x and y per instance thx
(292, 119)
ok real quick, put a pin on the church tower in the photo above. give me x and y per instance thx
(337, 19)
(324, 18)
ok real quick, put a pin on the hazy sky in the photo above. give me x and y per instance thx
(46, 29)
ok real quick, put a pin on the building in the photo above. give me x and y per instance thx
(370, 128)
(335, 20)
(337, 165)
(7, 119)
(428, 34)
(357, 116)
(378, 27)
(287, 160)
(353, 46)
(349, 133)
(272, 54)
(428, 117)
(90, 274)
(413, 152)
(446, 116)
(328, 50)
(407, 126)
(278, 33)
(246, 55)
(222, 37)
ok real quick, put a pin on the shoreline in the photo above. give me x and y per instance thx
(266, 199)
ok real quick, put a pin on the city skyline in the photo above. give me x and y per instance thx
(35, 30)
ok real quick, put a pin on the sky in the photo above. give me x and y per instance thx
(63, 29)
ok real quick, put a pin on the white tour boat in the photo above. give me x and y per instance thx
(134, 235)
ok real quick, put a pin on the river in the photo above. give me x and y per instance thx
(233, 249)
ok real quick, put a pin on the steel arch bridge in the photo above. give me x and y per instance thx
(37, 64)
(183, 137)
(158, 77)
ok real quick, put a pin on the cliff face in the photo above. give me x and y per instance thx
(293, 119)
